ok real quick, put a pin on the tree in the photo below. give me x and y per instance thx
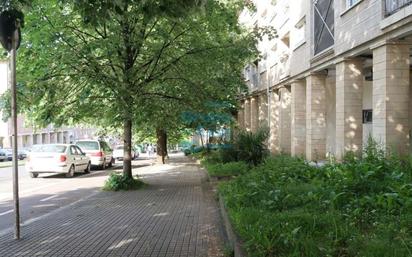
(107, 62)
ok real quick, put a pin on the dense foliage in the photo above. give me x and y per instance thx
(117, 182)
(361, 207)
(229, 169)
(247, 147)
(128, 64)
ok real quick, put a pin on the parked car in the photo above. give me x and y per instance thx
(100, 153)
(3, 155)
(21, 154)
(57, 158)
(9, 154)
(118, 153)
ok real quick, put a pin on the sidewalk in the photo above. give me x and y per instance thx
(175, 215)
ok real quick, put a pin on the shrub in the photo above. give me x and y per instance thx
(251, 147)
(117, 182)
(360, 207)
(227, 169)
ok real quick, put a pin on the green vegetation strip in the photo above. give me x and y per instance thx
(285, 207)
(7, 164)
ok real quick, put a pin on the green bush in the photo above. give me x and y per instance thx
(361, 207)
(227, 169)
(251, 147)
(117, 182)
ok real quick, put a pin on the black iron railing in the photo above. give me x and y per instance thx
(392, 6)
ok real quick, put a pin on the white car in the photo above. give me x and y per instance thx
(118, 153)
(100, 153)
(57, 158)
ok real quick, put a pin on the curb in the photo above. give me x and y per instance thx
(234, 240)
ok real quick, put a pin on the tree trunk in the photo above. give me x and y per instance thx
(127, 152)
(201, 138)
(161, 145)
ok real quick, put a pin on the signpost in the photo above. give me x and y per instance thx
(10, 39)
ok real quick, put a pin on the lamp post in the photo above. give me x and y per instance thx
(10, 40)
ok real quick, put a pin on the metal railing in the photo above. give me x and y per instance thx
(392, 6)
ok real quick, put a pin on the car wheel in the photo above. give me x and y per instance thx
(103, 166)
(70, 174)
(111, 162)
(34, 174)
(87, 170)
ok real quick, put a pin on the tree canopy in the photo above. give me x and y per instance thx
(120, 63)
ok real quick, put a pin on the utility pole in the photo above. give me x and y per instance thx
(10, 21)
(13, 51)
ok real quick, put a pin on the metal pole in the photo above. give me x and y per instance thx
(14, 137)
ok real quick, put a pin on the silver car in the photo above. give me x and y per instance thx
(118, 153)
(101, 155)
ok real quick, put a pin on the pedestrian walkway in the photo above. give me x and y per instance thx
(175, 215)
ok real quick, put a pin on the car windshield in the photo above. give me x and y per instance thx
(88, 145)
(119, 147)
(48, 149)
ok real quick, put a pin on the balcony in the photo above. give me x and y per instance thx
(392, 6)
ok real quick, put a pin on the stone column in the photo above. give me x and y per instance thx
(241, 116)
(298, 108)
(254, 114)
(53, 137)
(285, 120)
(247, 115)
(410, 112)
(20, 141)
(61, 138)
(315, 117)
(263, 110)
(391, 96)
(30, 140)
(274, 143)
(38, 139)
(349, 92)
(46, 138)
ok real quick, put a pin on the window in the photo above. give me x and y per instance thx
(324, 25)
(79, 151)
(350, 3)
(73, 150)
(298, 35)
(88, 145)
(367, 116)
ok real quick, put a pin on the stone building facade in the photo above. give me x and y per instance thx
(338, 72)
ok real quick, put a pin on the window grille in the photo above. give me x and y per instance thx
(324, 26)
(392, 6)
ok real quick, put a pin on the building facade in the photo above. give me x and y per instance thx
(28, 135)
(338, 72)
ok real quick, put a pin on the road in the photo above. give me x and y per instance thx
(43, 195)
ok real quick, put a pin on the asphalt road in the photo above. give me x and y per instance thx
(43, 195)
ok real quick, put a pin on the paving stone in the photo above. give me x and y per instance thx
(175, 215)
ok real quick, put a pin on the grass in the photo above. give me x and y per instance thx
(227, 169)
(361, 207)
(7, 164)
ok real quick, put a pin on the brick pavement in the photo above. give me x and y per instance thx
(175, 215)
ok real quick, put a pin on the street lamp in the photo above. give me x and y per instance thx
(10, 37)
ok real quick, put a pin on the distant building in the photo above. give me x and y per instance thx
(338, 72)
(27, 135)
